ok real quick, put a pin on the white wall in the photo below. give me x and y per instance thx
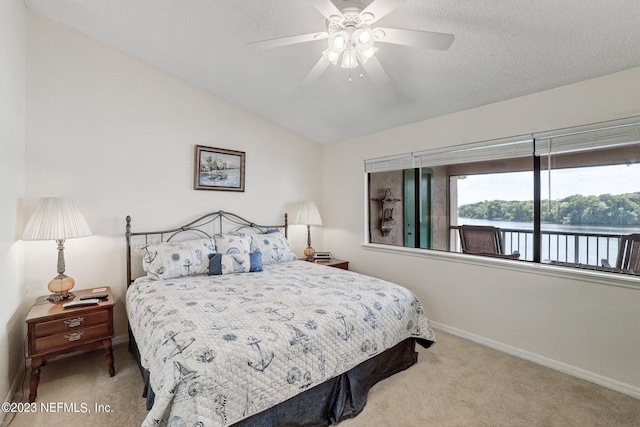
(589, 327)
(118, 136)
(12, 123)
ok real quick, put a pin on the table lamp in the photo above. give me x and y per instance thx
(308, 215)
(57, 219)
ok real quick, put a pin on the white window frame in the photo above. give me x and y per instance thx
(615, 133)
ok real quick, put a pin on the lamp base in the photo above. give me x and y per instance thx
(309, 253)
(60, 287)
(61, 297)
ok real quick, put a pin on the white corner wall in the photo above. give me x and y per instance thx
(588, 329)
(118, 136)
(12, 145)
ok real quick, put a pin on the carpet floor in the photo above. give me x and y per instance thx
(455, 383)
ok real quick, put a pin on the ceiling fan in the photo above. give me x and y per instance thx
(351, 37)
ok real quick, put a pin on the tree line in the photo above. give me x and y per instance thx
(606, 209)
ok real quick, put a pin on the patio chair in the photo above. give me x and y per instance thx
(483, 240)
(628, 254)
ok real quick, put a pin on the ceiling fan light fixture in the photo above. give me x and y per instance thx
(338, 41)
(331, 55)
(367, 54)
(364, 38)
(349, 59)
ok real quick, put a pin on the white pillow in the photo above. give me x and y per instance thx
(274, 247)
(232, 243)
(168, 260)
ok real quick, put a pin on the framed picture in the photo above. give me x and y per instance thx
(219, 169)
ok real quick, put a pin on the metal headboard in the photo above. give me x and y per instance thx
(207, 225)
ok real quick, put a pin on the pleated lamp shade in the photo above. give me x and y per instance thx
(308, 214)
(56, 219)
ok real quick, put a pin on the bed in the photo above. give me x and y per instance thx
(229, 328)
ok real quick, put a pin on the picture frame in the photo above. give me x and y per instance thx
(219, 169)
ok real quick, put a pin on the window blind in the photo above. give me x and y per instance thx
(623, 132)
(382, 164)
(616, 133)
(505, 148)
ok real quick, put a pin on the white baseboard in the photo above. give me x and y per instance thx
(15, 385)
(583, 374)
(120, 339)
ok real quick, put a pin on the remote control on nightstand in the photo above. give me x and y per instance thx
(100, 297)
(84, 302)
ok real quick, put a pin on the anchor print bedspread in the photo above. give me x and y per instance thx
(222, 348)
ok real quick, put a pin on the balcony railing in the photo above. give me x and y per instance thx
(586, 249)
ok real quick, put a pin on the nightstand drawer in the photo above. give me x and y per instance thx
(70, 323)
(71, 337)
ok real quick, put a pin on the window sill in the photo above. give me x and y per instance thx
(594, 276)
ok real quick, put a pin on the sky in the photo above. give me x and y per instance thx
(591, 181)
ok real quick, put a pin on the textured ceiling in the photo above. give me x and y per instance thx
(503, 49)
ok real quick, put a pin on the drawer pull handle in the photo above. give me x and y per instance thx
(72, 323)
(74, 336)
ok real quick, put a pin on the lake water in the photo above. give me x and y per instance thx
(580, 249)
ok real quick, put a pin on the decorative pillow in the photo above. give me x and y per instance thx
(235, 263)
(233, 243)
(274, 247)
(168, 260)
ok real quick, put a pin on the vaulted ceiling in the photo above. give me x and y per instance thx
(502, 49)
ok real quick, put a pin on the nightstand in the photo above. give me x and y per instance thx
(333, 262)
(53, 330)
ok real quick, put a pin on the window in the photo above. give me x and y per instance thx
(565, 197)
(500, 199)
(589, 191)
(400, 207)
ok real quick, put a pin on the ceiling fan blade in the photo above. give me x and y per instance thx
(379, 8)
(428, 39)
(316, 71)
(375, 71)
(284, 41)
(327, 8)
